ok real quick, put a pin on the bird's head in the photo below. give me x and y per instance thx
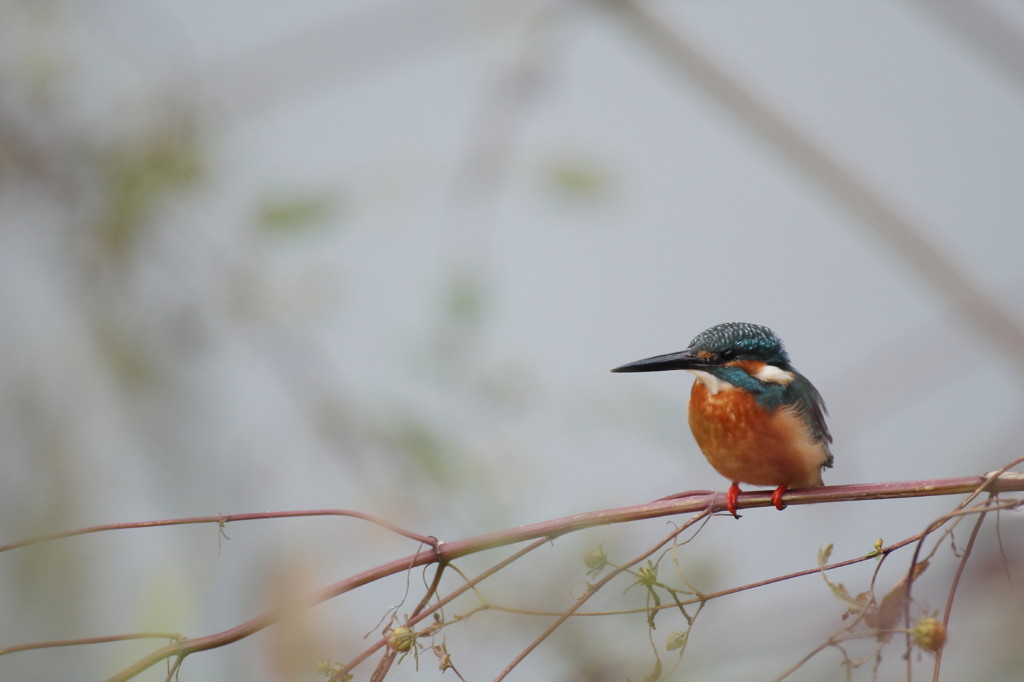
(723, 351)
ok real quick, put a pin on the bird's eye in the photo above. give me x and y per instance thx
(727, 354)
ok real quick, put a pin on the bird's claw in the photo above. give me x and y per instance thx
(730, 498)
(777, 497)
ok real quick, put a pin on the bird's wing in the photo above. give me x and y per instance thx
(808, 404)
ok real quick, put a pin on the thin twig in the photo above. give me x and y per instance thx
(470, 584)
(173, 636)
(594, 590)
(989, 480)
(952, 589)
(222, 519)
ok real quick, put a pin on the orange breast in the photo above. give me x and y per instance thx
(746, 443)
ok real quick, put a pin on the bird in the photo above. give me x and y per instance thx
(756, 419)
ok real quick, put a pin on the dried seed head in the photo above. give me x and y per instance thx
(930, 634)
(676, 640)
(401, 639)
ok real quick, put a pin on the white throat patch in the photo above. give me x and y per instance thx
(713, 383)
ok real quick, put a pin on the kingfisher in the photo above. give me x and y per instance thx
(755, 418)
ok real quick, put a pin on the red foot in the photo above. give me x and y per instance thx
(777, 497)
(730, 498)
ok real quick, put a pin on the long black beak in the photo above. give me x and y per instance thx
(684, 359)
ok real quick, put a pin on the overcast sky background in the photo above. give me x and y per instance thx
(397, 251)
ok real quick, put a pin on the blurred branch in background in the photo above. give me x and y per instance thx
(986, 29)
(903, 233)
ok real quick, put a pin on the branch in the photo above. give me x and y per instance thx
(683, 503)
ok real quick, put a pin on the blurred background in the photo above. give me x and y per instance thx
(263, 256)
